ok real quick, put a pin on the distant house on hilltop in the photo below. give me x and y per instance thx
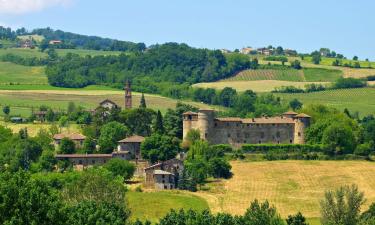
(246, 51)
(55, 42)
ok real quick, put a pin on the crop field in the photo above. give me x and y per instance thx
(359, 99)
(291, 186)
(13, 73)
(89, 99)
(61, 52)
(256, 85)
(307, 74)
(154, 205)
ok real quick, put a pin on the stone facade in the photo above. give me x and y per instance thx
(288, 128)
(171, 169)
(133, 145)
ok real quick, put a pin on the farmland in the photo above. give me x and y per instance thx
(291, 186)
(257, 85)
(307, 74)
(13, 73)
(360, 99)
(328, 62)
(154, 205)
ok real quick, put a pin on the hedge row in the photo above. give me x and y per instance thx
(264, 148)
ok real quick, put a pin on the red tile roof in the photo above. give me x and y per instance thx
(303, 115)
(290, 113)
(133, 139)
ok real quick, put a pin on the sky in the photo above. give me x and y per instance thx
(346, 26)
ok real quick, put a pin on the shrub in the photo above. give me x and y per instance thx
(349, 82)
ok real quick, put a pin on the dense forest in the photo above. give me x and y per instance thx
(170, 63)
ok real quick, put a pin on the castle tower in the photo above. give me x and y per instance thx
(302, 121)
(190, 120)
(205, 123)
(128, 95)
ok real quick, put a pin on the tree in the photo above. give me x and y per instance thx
(6, 110)
(227, 97)
(139, 120)
(159, 126)
(160, 148)
(191, 137)
(262, 214)
(29, 201)
(245, 103)
(120, 167)
(342, 206)
(316, 57)
(197, 170)
(143, 102)
(110, 134)
(67, 146)
(46, 162)
(219, 168)
(52, 54)
(355, 58)
(93, 213)
(339, 139)
(71, 108)
(50, 115)
(297, 219)
(63, 121)
(173, 119)
(296, 64)
(295, 104)
(89, 145)
(23, 133)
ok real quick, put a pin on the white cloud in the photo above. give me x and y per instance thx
(26, 6)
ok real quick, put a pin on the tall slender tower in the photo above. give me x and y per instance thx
(128, 95)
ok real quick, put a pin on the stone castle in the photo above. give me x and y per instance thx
(288, 128)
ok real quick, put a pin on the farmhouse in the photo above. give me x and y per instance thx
(78, 139)
(133, 145)
(246, 51)
(108, 104)
(55, 42)
(164, 175)
(81, 161)
(287, 128)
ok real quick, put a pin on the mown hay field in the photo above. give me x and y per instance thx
(291, 186)
(358, 99)
(255, 85)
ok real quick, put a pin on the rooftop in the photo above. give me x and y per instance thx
(107, 100)
(162, 172)
(133, 139)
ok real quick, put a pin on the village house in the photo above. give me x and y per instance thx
(132, 145)
(264, 51)
(78, 139)
(164, 175)
(246, 51)
(27, 43)
(81, 161)
(225, 51)
(108, 104)
(55, 42)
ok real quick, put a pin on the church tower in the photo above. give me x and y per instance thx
(128, 95)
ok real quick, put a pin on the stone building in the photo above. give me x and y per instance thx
(108, 104)
(164, 175)
(133, 145)
(81, 161)
(288, 128)
(78, 139)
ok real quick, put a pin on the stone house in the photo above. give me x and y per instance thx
(288, 128)
(164, 175)
(78, 139)
(132, 145)
(108, 104)
(81, 161)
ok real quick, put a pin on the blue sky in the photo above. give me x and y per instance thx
(346, 26)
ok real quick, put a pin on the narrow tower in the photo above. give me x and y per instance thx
(128, 95)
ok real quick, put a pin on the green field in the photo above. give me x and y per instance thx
(35, 37)
(61, 52)
(154, 205)
(328, 62)
(13, 73)
(360, 99)
(306, 74)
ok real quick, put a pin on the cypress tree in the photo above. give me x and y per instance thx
(143, 102)
(159, 127)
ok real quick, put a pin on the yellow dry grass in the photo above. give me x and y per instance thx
(257, 86)
(291, 186)
(33, 129)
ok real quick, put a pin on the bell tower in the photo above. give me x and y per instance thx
(128, 95)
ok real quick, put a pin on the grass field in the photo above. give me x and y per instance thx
(360, 99)
(154, 205)
(256, 85)
(61, 52)
(291, 186)
(33, 129)
(87, 98)
(35, 37)
(307, 74)
(13, 73)
(328, 62)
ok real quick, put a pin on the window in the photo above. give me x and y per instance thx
(165, 187)
(163, 181)
(229, 135)
(260, 142)
(278, 134)
(93, 161)
(291, 141)
(80, 162)
(262, 135)
(163, 176)
(205, 135)
(215, 124)
(299, 134)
